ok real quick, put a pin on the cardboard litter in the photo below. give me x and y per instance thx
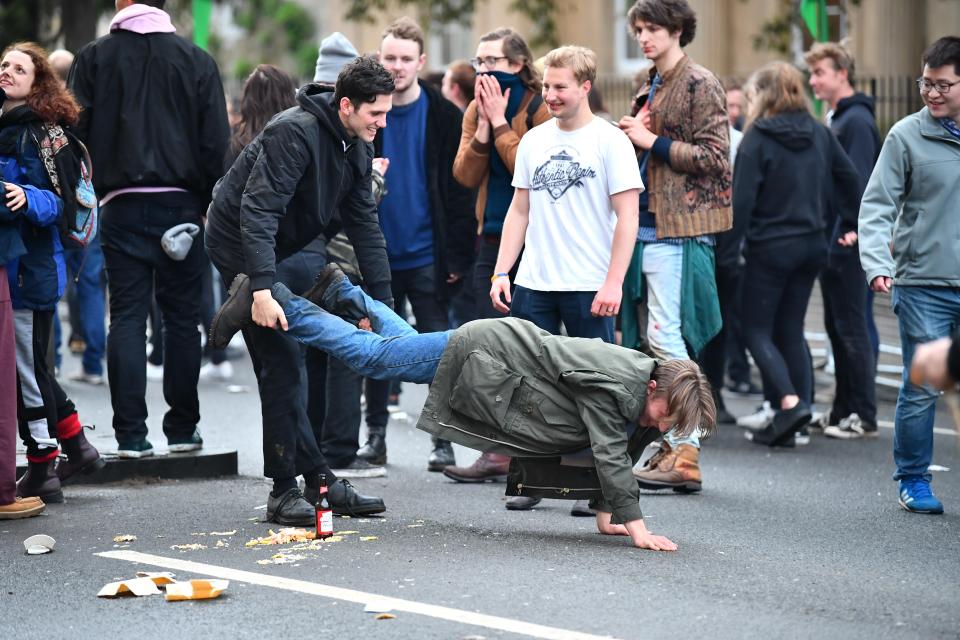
(124, 538)
(367, 538)
(196, 590)
(39, 544)
(137, 587)
(159, 578)
(384, 616)
(188, 547)
(223, 533)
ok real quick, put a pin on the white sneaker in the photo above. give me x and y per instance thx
(86, 378)
(850, 428)
(759, 420)
(154, 372)
(211, 371)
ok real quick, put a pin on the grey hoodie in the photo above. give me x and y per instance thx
(913, 198)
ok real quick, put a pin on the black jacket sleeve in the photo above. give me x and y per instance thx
(847, 187)
(280, 164)
(860, 140)
(214, 128)
(358, 213)
(460, 201)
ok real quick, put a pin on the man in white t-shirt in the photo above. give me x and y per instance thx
(574, 215)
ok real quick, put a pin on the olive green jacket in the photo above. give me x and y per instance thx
(505, 386)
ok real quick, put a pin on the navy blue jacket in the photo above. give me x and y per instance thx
(35, 266)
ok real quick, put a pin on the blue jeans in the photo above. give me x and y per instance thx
(393, 350)
(924, 314)
(86, 267)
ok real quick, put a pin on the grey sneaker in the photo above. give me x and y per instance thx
(849, 428)
(360, 468)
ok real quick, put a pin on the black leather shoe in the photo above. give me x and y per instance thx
(786, 422)
(345, 500)
(234, 314)
(291, 509)
(441, 457)
(317, 294)
(522, 503)
(40, 481)
(375, 450)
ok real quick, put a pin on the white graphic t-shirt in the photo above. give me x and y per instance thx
(571, 176)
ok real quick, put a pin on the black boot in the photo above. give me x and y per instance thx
(291, 509)
(345, 500)
(441, 457)
(40, 481)
(375, 450)
(82, 457)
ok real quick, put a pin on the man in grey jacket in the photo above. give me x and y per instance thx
(507, 387)
(911, 199)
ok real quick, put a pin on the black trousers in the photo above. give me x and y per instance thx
(844, 287)
(778, 279)
(482, 270)
(137, 269)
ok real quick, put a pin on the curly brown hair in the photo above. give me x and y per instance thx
(47, 98)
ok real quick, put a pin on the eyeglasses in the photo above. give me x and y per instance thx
(489, 61)
(942, 87)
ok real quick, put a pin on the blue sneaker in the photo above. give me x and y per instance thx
(916, 496)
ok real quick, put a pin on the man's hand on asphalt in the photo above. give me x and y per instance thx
(643, 539)
(500, 292)
(929, 364)
(266, 311)
(607, 301)
(881, 284)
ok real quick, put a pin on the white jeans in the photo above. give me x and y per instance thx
(663, 271)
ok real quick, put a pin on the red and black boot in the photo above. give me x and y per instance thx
(82, 457)
(41, 480)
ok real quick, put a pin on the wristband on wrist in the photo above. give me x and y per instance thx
(499, 275)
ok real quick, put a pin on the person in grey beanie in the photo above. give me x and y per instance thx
(335, 51)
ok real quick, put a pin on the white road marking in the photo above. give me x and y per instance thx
(887, 424)
(349, 595)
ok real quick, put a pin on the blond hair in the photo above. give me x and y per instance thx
(776, 88)
(580, 60)
(690, 403)
(835, 52)
(405, 28)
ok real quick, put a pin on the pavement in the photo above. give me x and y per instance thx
(799, 543)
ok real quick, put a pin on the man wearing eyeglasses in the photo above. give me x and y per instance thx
(911, 199)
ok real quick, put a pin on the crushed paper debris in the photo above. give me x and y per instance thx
(384, 616)
(196, 590)
(283, 558)
(284, 536)
(188, 547)
(367, 538)
(220, 544)
(223, 533)
(39, 544)
(136, 587)
(159, 578)
(124, 538)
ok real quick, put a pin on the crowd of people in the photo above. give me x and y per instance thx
(539, 246)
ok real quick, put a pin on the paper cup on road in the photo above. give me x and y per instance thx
(196, 590)
(39, 544)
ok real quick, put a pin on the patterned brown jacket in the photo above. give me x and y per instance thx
(690, 196)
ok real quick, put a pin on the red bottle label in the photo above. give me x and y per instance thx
(324, 523)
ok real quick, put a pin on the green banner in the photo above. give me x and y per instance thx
(201, 22)
(814, 15)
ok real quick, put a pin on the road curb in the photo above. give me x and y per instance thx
(206, 463)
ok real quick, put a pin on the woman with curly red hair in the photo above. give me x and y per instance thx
(39, 169)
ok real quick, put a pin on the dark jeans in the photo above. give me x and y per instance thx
(778, 279)
(214, 294)
(713, 358)
(844, 288)
(88, 315)
(8, 395)
(547, 309)
(482, 270)
(137, 271)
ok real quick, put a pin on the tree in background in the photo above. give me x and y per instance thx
(274, 25)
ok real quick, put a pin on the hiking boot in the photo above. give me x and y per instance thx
(489, 467)
(850, 428)
(135, 450)
(375, 450)
(916, 496)
(234, 314)
(183, 445)
(441, 457)
(41, 481)
(81, 457)
(522, 503)
(323, 294)
(360, 468)
(291, 509)
(759, 420)
(677, 469)
(22, 508)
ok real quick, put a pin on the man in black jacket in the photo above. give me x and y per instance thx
(427, 218)
(155, 122)
(846, 298)
(280, 194)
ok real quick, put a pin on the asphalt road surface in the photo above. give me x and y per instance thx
(804, 543)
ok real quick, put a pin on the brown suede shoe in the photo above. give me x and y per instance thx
(672, 469)
(489, 467)
(22, 508)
